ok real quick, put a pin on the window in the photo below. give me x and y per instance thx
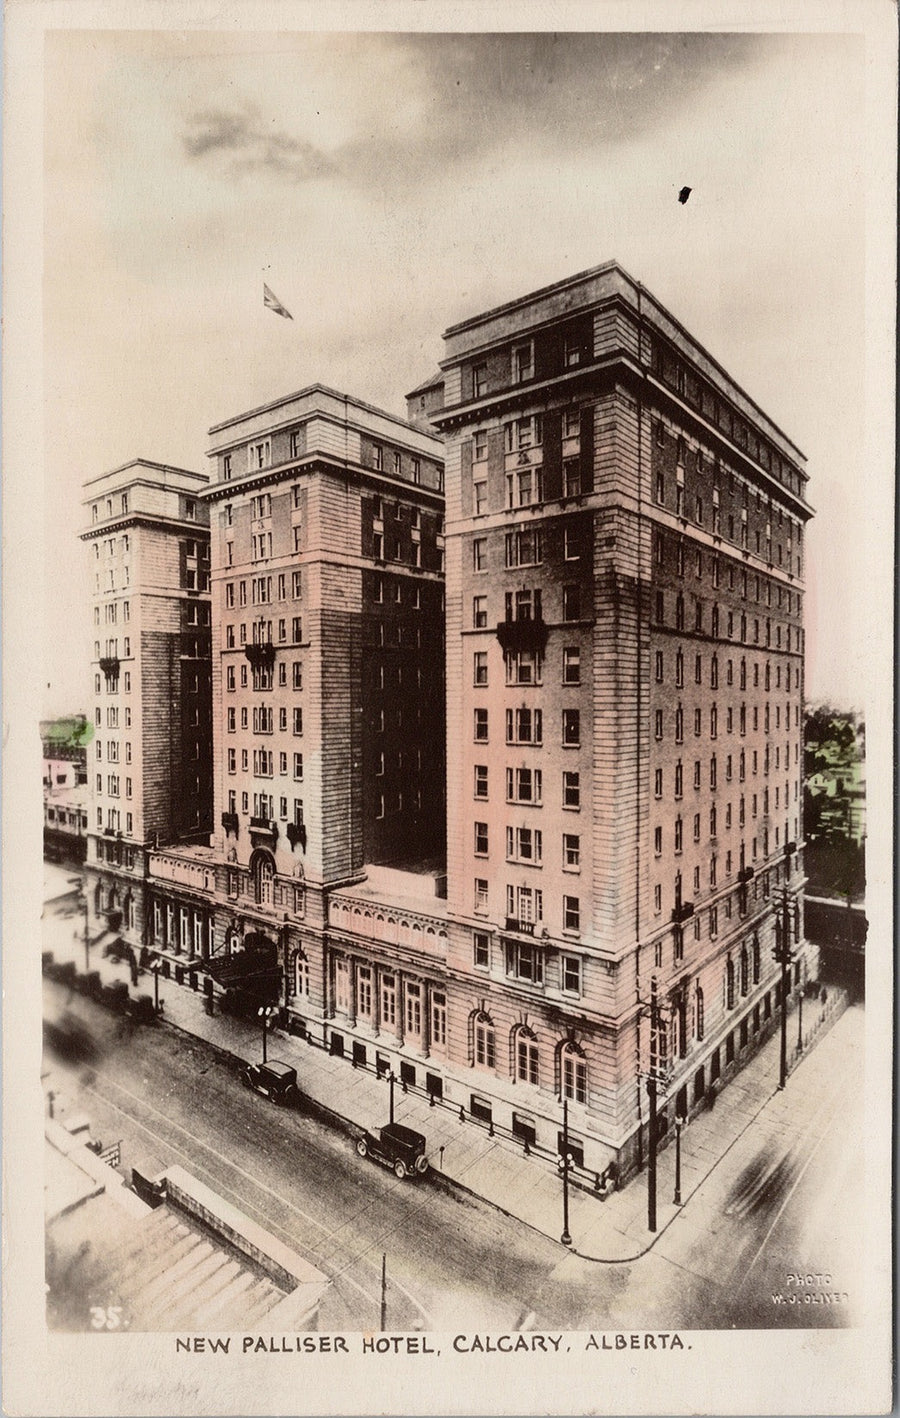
(571, 545)
(298, 721)
(481, 780)
(481, 839)
(298, 767)
(524, 844)
(574, 1076)
(481, 894)
(571, 664)
(658, 724)
(571, 728)
(480, 492)
(527, 1061)
(571, 913)
(572, 790)
(479, 554)
(479, 612)
(480, 667)
(481, 943)
(523, 547)
(479, 380)
(523, 725)
(522, 362)
(523, 785)
(484, 1043)
(481, 725)
(260, 454)
(523, 667)
(571, 602)
(658, 783)
(657, 841)
(571, 851)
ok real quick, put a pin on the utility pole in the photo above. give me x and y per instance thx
(565, 1238)
(391, 1108)
(383, 1293)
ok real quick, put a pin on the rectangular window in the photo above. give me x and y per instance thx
(522, 362)
(571, 602)
(571, 851)
(481, 780)
(479, 554)
(571, 974)
(298, 767)
(523, 785)
(481, 726)
(571, 728)
(481, 950)
(571, 664)
(572, 790)
(481, 894)
(479, 612)
(524, 725)
(481, 839)
(480, 667)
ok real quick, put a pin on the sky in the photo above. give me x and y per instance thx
(385, 185)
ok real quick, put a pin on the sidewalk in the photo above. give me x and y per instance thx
(462, 1152)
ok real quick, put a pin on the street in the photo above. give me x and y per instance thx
(762, 1222)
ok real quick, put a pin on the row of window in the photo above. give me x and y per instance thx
(264, 676)
(261, 632)
(526, 666)
(264, 764)
(112, 748)
(264, 806)
(791, 676)
(525, 785)
(768, 719)
(735, 627)
(763, 545)
(527, 604)
(526, 844)
(260, 589)
(114, 821)
(749, 587)
(524, 546)
(264, 719)
(678, 824)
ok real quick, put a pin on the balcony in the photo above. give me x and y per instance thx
(745, 874)
(682, 912)
(516, 636)
(230, 822)
(263, 832)
(522, 927)
(109, 664)
(262, 655)
(296, 832)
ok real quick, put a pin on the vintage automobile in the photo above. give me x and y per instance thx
(398, 1147)
(276, 1081)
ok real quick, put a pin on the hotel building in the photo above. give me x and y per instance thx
(623, 687)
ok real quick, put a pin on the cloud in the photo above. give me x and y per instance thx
(251, 145)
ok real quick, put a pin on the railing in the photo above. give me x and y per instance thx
(524, 634)
(230, 822)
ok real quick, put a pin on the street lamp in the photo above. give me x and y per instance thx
(800, 1020)
(391, 1104)
(156, 967)
(656, 1075)
(679, 1124)
(782, 954)
(565, 1238)
(265, 1013)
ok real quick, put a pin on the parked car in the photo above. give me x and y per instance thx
(398, 1147)
(276, 1081)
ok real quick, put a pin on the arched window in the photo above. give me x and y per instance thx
(482, 1040)
(573, 1072)
(263, 868)
(525, 1061)
(699, 1021)
(301, 974)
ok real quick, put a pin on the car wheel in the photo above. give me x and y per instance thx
(362, 1147)
(245, 1079)
(400, 1170)
(421, 1165)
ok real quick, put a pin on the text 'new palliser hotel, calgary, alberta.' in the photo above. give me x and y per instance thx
(462, 740)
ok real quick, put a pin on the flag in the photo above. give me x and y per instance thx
(273, 303)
